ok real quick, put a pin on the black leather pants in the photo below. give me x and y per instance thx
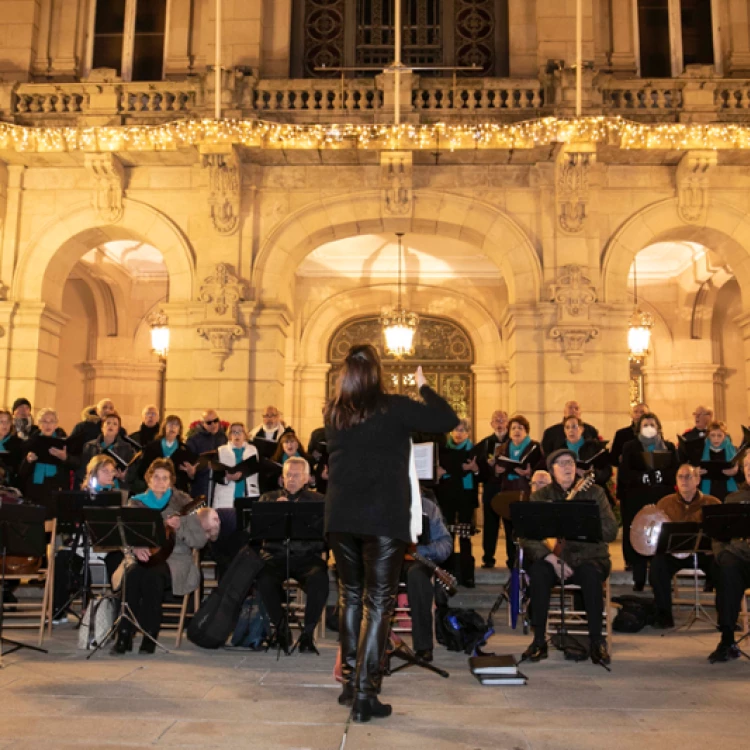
(368, 569)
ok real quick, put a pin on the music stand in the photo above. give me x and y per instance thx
(22, 534)
(687, 538)
(114, 529)
(67, 507)
(286, 522)
(573, 520)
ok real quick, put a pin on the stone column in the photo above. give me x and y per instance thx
(179, 54)
(32, 345)
(11, 195)
(491, 389)
(310, 393)
(738, 32)
(623, 60)
(69, 25)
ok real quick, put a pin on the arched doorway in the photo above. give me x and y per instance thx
(442, 348)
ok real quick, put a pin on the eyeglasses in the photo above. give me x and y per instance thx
(212, 421)
(564, 462)
(270, 416)
(685, 477)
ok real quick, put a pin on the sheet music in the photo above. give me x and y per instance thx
(424, 458)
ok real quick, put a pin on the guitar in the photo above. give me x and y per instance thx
(587, 480)
(443, 577)
(463, 530)
(161, 554)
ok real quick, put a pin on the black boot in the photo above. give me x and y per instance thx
(347, 695)
(306, 644)
(368, 706)
(123, 644)
(147, 646)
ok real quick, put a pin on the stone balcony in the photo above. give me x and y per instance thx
(697, 96)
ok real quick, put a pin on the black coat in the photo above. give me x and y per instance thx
(145, 435)
(10, 461)
(152, 451)
(452, 497)
(636, 482)
(368, 485)
(491, 484)
(276, 548)
(554, 437)
(622, 436)
(41, 492)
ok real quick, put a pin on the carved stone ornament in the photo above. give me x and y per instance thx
(573, 342)
(692, 185)
(109, 184)
(396, 183)
(573, 293)
(572, 186)
(221, 292)
(224, 180)
(220, 340)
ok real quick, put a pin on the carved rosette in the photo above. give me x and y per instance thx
(396, 183)
(692, 185)
(109, 185)
(573, 293)
(224, 182)
(221, 294)
(572, 186)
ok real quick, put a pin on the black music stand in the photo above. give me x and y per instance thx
(573, 520)
(724, 523)
(286, 522)
(22, 534)
(687, 538)
(114, 529)
(67, 507)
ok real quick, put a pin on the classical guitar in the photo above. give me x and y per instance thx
(443, 577)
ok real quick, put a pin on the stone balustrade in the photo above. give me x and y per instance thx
(642, 96)
(316, 95)
(733, 96)
(478, 95)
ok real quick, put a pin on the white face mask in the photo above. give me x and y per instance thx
(648, 431)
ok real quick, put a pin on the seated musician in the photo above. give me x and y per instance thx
(306, 565)
(419, 585)
(732, 577)
(682, 506)
(146, 584)
(586, 564)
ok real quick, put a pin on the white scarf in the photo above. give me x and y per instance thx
(415, 522)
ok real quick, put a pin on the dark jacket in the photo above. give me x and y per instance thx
(635, 481)
(275, 548)
(451, 494)
(576, 553)
(441, 542)
(145, 435)
(89, 429)
(151, 451)
(317, 452)
(519, 484)
(40, 492)
(622, 436)
(554, 436)
(202, 442)
(368, 485)
(10, 461)
(601, 465)
(491, 483)
(94, 448)
(740, 548)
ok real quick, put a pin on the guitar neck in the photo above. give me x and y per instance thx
(443, 576)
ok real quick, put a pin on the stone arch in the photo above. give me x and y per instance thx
(47, 260)
(467, 219)
(464, 310)
(725, 231)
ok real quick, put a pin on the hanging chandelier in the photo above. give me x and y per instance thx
(639, 331)
(399, 325)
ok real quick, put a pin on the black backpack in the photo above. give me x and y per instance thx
(634, 614)
(215, 620)
(459, 629)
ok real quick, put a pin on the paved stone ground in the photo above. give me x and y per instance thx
(661, 693)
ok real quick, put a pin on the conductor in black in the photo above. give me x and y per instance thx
(368, 505)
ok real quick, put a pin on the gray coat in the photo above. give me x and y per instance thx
(576, 553)
(185, 574)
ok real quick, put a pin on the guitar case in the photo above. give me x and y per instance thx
(214, 622)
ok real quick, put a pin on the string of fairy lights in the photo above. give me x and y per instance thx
(253, 133)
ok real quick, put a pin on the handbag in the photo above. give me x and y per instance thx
(102, 611)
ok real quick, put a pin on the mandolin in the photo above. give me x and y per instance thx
(161, 554)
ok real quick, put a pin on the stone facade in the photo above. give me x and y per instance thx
(559, 223)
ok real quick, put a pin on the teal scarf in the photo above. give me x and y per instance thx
(239, 487)
(467, 445)
(167, 450)
(42, 471)
(4, 441)
(516, 451)
(575, 447)
(729, 453)
(151, 501)
(284, 457)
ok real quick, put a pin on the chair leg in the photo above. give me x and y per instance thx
(181, 623)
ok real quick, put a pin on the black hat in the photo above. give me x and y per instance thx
(559, 453)
(20, 402)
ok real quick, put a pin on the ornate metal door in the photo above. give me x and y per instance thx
(442, 348)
